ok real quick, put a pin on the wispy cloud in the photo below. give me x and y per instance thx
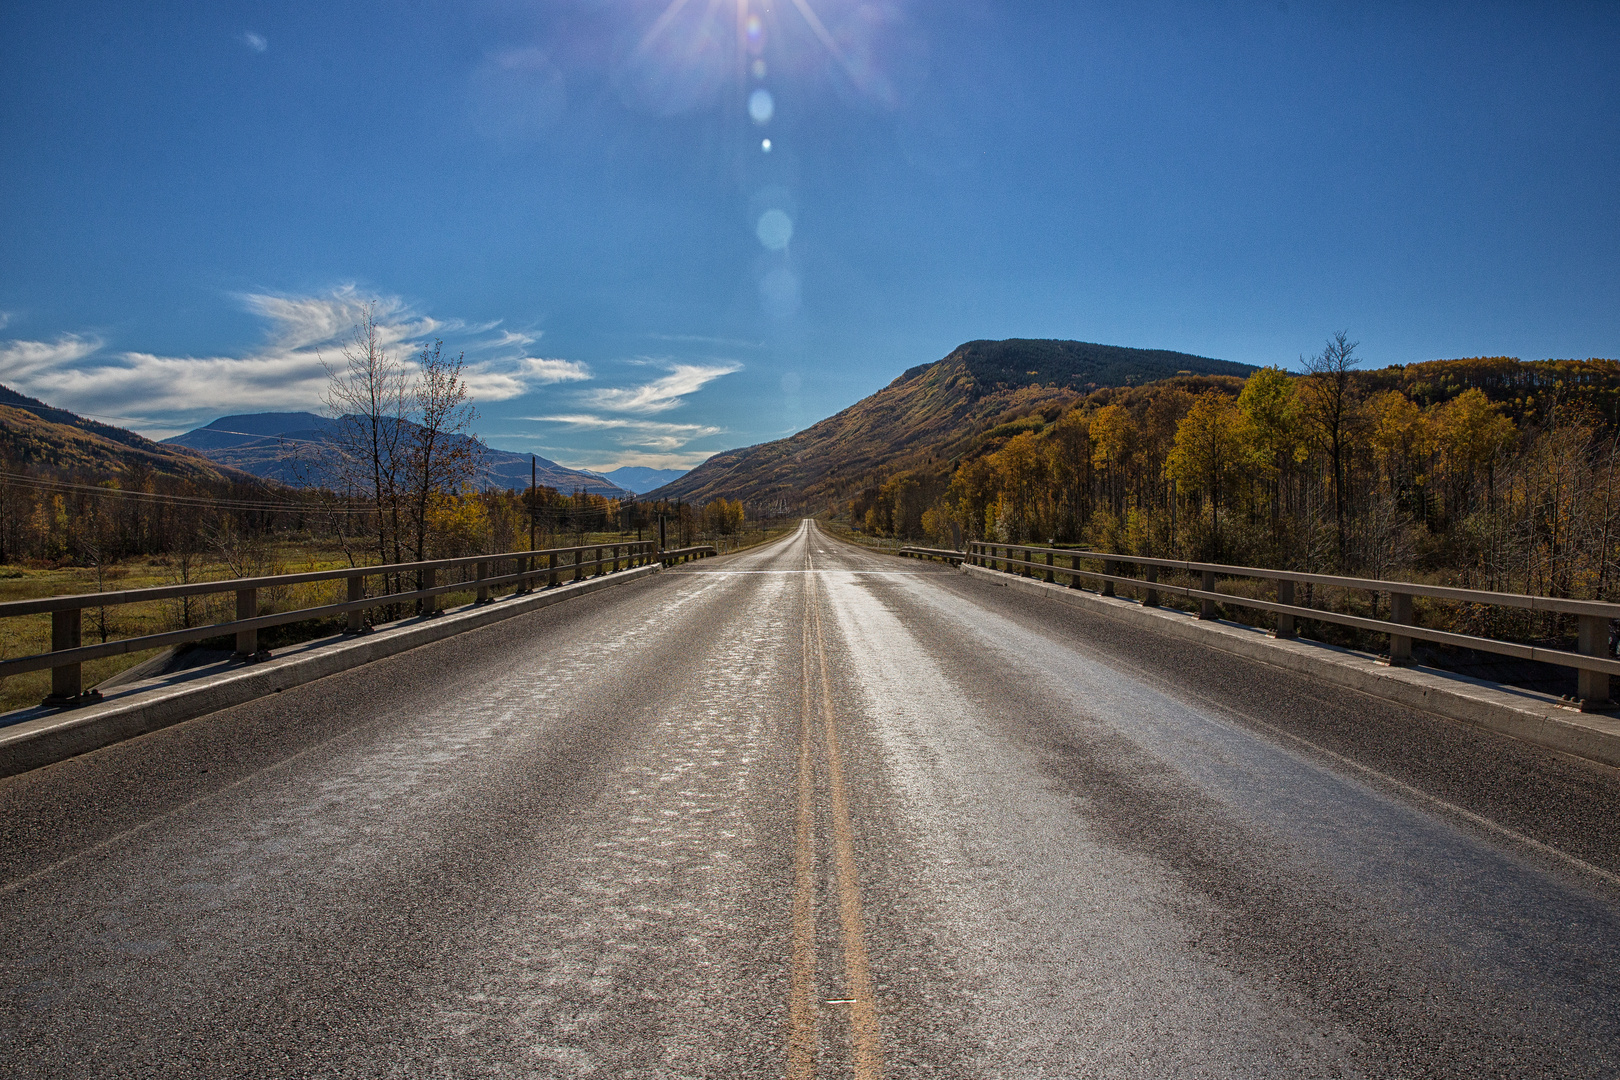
(648, 434)
(5, 319)
(505, 379)
(663, 394)
(287, 372)
(256, 42)
(606, 460)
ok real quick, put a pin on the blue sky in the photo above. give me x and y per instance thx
(200, 198)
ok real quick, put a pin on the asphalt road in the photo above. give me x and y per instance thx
(812, 811)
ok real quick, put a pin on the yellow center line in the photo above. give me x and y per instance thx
(802, 1006)
(863, 1008)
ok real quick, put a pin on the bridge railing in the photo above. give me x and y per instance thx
(948, 554)
(1591, 660)
(68, 652)
(671, 556)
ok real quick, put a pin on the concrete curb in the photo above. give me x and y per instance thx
(150, 705)
(1520, 714)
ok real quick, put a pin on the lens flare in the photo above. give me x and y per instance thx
(761, 106)
(765, 145)
(774, 229)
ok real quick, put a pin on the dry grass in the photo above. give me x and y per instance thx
(30, 635)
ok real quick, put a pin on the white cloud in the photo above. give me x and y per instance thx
(662, 394)
(287, 372)
(506, 379)
(5, 319)
(651, 461)
(649, 434)
(24, 363)
(256, 42)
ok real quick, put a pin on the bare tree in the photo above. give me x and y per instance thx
(1327, 406)
(442, 454)
(369, 396)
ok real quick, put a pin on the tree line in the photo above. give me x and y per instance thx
(1488, 473)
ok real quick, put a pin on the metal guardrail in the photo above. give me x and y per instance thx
(948, 554)
(671, 556)
(1592, 662)
(68, 654)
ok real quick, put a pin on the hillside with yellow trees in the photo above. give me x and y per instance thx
(1491, 472)
(926, 416)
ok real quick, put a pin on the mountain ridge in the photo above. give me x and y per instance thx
(41, 436)
(259, 443)
(925, 414)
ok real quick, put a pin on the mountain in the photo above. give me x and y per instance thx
(642, 480)
(269, 445)
(925, 414)
(41, 438)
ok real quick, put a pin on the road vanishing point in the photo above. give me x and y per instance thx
(812, 811)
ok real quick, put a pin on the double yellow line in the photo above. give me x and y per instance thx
(803, 1004)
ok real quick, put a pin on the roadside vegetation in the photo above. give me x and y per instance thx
(1490, 473)
(397, 486)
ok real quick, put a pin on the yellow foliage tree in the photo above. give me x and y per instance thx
(1210, 447)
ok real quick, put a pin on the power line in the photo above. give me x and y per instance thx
(552, 514)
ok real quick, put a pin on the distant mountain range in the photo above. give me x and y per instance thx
(43, 439)
(930, 412)
(268, 445)
(642, 480)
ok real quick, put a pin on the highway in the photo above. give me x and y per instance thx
(812, 811)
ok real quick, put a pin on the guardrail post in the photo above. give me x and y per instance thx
(1285, 595)
(483, 590)
(1150, 597)
(430, 604)
(1049, 576)
(1074, 571)
(357, 592)
(1206, 608)
(1025, 562)
(247, 607)
(579, 564)
(551, 569)
(1109, 568)
(1592, 687)
(1400, 646)
(66, 681)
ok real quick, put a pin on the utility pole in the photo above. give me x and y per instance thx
(534, 471)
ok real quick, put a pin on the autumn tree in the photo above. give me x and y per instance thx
(1327, 405)
(1209, 449)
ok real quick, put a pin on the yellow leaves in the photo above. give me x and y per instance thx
(1270, 415)
(457, 524)
(1470, 429)
(1399, 431)
(724, 517)
(1209, 444)
(1113, 437)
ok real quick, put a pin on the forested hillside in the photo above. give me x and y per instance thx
(923, 417)
(1490, 472)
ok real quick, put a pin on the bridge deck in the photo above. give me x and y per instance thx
(810, 810)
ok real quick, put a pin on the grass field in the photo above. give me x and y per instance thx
(30, 634)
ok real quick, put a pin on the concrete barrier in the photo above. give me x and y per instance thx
(31, 740)
(1520, 714)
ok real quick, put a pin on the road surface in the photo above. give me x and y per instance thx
(812, 811)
